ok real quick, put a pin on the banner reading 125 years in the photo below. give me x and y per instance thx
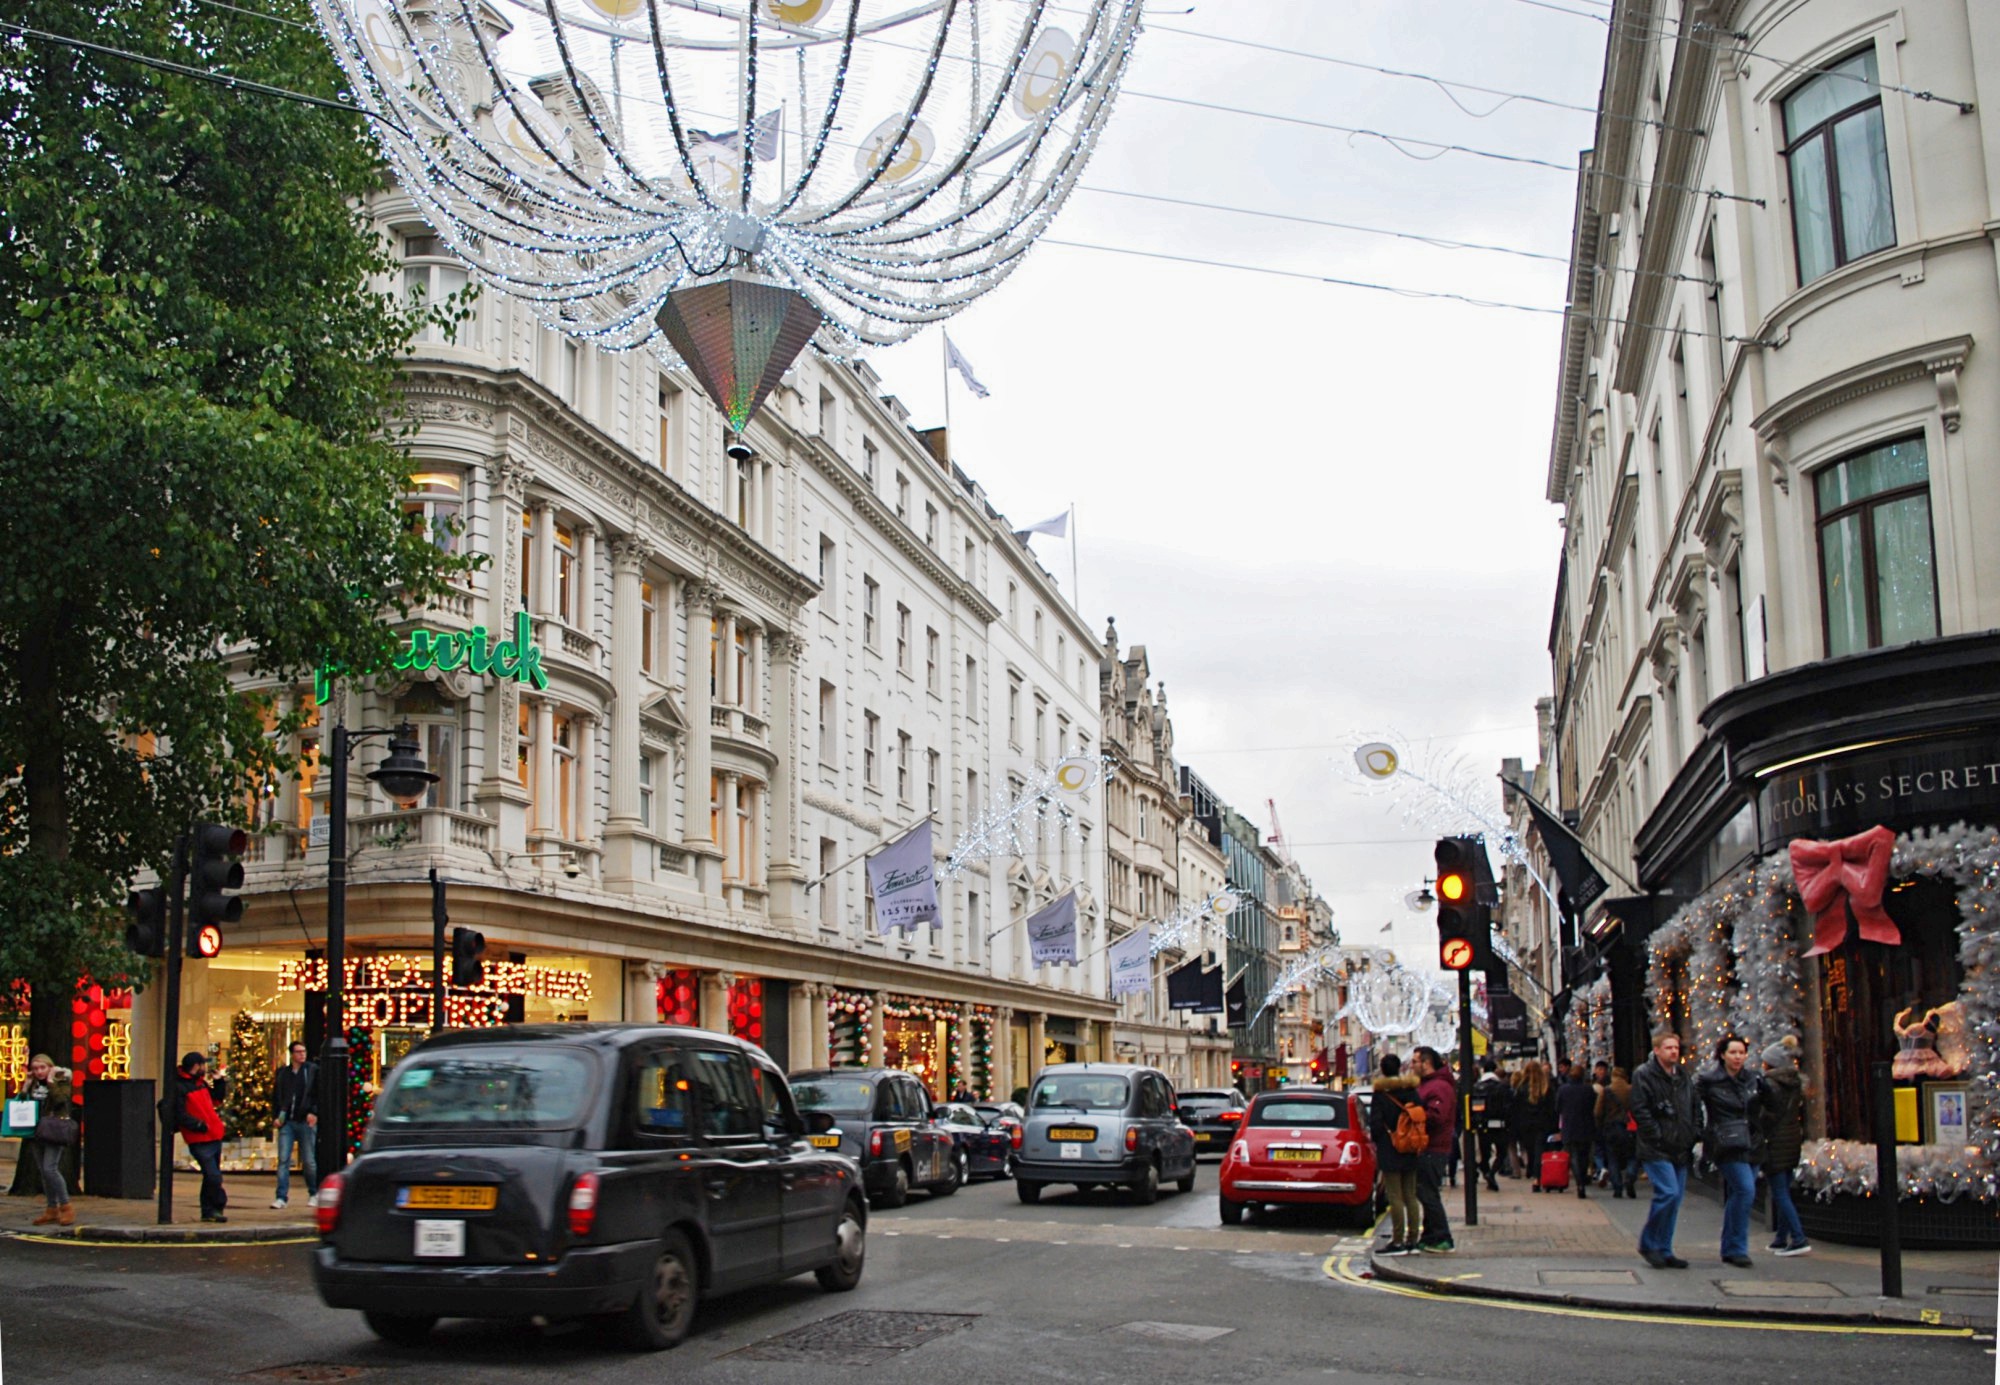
(903, 878)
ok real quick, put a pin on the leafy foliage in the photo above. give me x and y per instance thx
(196, 372)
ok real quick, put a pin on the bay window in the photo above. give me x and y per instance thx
(1878, 579)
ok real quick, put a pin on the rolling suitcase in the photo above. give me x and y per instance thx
(1555, 1170)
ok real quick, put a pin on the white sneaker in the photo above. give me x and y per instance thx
(277, 1202)
(1800, 1249)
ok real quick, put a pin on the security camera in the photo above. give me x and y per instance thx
(739, 450)
(571, 868)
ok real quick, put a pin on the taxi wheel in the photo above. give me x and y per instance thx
(663, 1310)
(1027, 1191)
(850, 1249)
(961, 1174)
(1232, 1212)
(1007, 1166)
(402, 1329)
(1146, 1187)
(899, 1191)
(1186, 1185)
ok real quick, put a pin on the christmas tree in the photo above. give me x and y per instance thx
(246, 1106)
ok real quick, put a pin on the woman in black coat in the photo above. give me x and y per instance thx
(1730, 1100)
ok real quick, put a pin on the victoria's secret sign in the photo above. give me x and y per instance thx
(1933, 779)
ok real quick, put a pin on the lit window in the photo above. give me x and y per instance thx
(649, 615)
(566, 575)
(433, 506)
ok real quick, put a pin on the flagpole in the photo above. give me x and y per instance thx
(1075, 592)
(944, 357)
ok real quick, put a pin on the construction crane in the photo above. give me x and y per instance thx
(1277, 839)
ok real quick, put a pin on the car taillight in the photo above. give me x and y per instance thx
(1350, 1154)
(875, 1143)
(1229, 1115)
(1015, 1133)
(1131, 1138)
(326, 1204)
(583, 1205)
(1240, 1151)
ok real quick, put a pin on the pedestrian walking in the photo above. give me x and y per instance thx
(1731, 1099)
(1440, 1098)
(1784, 1141)
(201, 1126)
(1600, 1149)
(1576, 1118)
(1491, 1100)
(1663, 1109)
(48, 1086)
(1536, 1101)
(1396, 1093)
(1614, 1130)
(295, 1101)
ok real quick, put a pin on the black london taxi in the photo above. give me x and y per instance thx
(881, 1119)
(1098, 1124)
(617, 1171)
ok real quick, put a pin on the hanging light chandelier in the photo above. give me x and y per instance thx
(841, 171)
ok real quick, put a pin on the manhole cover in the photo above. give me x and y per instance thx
(1175, 1331)
(860, 1338)
(309, 1372)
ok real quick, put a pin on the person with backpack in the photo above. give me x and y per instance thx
(1440, 1098)
(1400, 1129)
(1491, 1099)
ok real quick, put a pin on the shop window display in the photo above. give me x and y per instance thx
(746, 1010)
(677, 997)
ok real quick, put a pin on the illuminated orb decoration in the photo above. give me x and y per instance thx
(1389, 1003)
(887, 161)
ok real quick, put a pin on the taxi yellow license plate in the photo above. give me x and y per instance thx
(451, 1196)
(826, 1142)
(1295, 1156)
(1072, 1132)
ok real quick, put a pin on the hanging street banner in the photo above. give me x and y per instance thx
(1132, 964)
(1184, 986)
(519, 658)
(1211, 993)
(1052, 932)
(903, 878)
(1237, 1000)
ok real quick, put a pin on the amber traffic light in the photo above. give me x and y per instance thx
(1464, 930)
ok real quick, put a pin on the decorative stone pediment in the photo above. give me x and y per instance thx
(660, 714)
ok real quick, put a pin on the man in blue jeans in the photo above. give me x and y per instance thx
(1663, 1109)
(295, 1102)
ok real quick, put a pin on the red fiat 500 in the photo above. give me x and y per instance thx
(1302, 1147)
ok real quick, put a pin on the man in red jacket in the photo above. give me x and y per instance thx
(1440, 1098)
(201, 1126)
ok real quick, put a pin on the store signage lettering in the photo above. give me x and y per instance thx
(403, 973)
(1834, 798)
(518, 657)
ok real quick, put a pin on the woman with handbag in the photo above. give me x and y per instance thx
(48, 1086)
(1731, 1100)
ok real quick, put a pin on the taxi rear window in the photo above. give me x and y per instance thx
(843, 1095)
(1326, 1114)
(1082, 1091)
(487, 1088)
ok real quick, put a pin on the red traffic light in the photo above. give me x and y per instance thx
(206, 942)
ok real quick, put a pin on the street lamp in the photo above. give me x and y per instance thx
(405, 779)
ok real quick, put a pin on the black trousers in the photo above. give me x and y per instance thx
(1430, 1196)
(1492, 1151)
(208, 1154)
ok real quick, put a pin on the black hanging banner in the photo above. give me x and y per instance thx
(1580, 880)
(1237, 1003)
(1211, 993)
(1184, 986)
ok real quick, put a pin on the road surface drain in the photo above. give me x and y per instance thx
(308, 1372)
(860, 1338)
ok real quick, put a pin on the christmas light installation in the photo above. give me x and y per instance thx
(997, 831)
(728, 179)
(1193, 923)
(1322, 962)
(1389, 1003)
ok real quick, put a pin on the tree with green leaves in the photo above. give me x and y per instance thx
(195, 375)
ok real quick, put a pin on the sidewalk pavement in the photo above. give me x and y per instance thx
(109, 1219)
(1558, 1248)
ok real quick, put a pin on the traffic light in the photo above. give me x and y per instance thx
(146, 934)
(1464, 931)
(467, 947)
(214, 868)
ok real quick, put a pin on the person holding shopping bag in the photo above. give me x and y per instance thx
(48, 1087)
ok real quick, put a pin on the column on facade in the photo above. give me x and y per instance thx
(584, 580)
(1004, 1080)
(542, 599)
(725, 662)
(751, 695)
(715, 1000)
(501, 795)
(808, 1012)
(784, 873)
(542, 810)
(699, 600)
(962, 1039)
(641, 1007)
(732, 840)
(822, 1037)
(1038, 1043)
(623, 852)
(878, 1051)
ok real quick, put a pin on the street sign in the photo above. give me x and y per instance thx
(1457, 953)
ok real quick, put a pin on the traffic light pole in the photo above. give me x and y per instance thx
(333, 1055)
(1469, 1158)
(438, 921)
(170, 1029)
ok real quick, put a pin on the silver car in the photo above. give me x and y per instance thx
(1098, 1124)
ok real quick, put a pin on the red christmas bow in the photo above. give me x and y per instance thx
(1834, 875)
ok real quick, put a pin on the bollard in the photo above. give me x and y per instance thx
(1888, 1183)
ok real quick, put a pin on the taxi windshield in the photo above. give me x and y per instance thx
(517, 1088)
(842, 1095)
(1084, 1091)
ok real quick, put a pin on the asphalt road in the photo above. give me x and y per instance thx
(1078, 1288)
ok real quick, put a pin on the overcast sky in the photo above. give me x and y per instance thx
(1320, 508)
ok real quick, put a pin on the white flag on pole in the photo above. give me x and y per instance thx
(954, 359)
(1132, 964)
(1052, 932)
(1056, 528)
(902, 876)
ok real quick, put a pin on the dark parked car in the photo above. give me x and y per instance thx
(882, 1121)
(984, 1145)
(1094, 1124)
(582, 1170)
(1214, 1116)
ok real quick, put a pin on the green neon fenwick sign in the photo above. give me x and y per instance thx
(519, 658)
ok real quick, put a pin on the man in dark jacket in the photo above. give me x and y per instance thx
(1394, 1092)
(1491, 1097)
(1663, 1107)
(201, 1126)
(1440, 1098)
(295, 1104)
(1576, 1117)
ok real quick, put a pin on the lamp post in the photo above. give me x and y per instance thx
(405, 779)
